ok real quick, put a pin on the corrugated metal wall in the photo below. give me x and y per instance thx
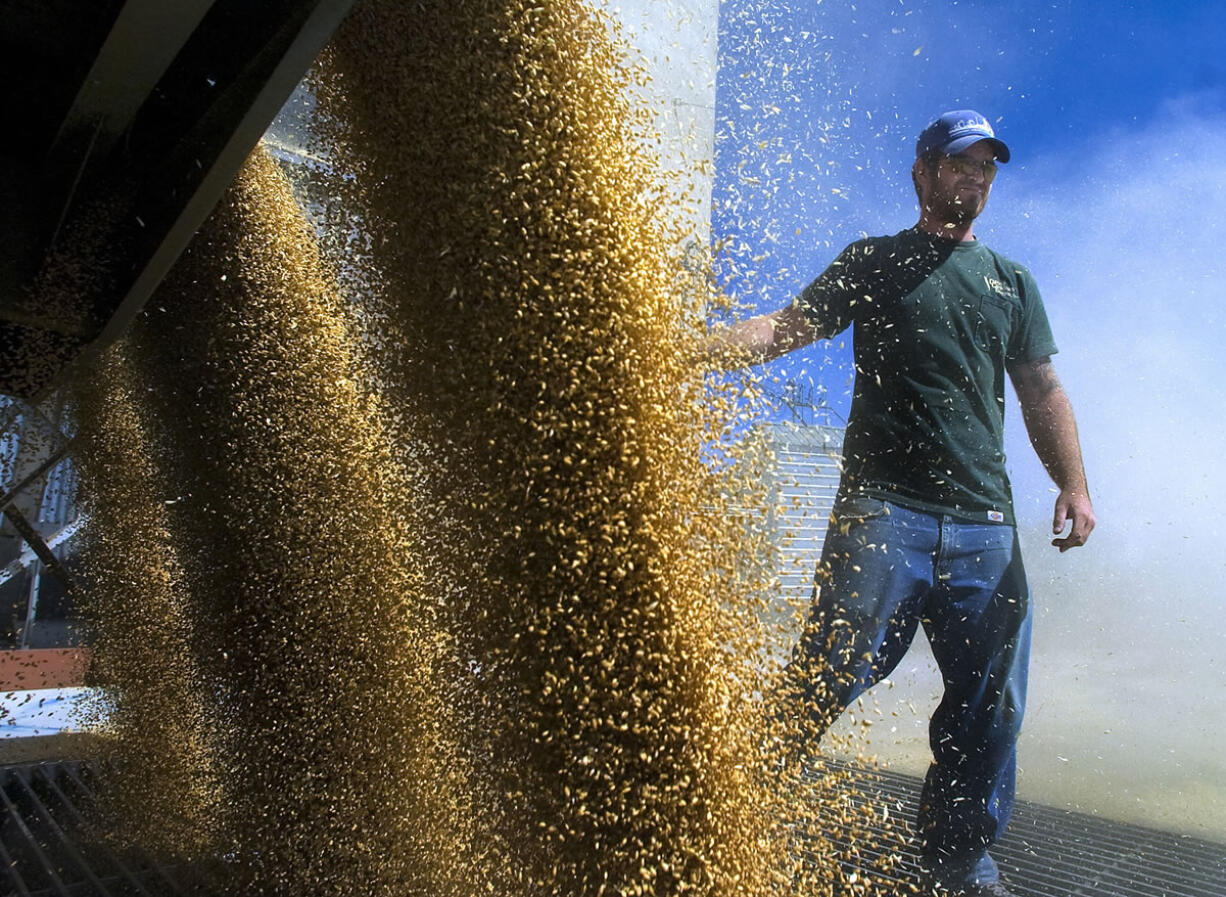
(806, 479)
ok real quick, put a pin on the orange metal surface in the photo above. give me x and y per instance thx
(43, 668)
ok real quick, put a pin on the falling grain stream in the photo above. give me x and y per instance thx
(411, 571)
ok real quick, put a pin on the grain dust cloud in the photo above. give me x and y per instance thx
(425, 558)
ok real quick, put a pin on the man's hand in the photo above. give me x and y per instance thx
(1072, 507)
(758, 339)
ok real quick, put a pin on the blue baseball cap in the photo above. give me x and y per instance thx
(955, 131)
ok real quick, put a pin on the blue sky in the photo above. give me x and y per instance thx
(1116, 199)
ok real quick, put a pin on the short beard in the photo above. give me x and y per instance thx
(955, 213)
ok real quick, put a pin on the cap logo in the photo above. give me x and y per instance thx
(975, 125)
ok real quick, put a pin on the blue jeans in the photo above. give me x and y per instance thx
(885, 569)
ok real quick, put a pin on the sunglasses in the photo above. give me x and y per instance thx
(970, 167)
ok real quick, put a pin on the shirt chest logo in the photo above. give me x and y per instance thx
(1000, 288)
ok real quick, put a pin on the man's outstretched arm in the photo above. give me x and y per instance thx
(1053, 433)
(758, 339)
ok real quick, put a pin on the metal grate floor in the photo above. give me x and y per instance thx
(1047, 853)
(1054, 853)
(45, 848)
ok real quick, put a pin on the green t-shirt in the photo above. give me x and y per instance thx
(936, 323)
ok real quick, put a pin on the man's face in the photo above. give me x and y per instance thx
(956, 188)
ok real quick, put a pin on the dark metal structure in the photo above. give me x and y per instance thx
(124, 121)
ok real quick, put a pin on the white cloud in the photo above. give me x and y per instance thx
(1129, 246)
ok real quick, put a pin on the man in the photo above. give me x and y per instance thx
(923, 530)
